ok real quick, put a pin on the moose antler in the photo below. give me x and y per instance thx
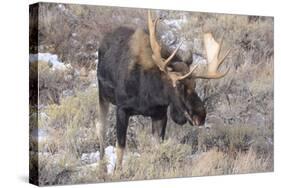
(156, 54)
(213, 51)
(176, 76)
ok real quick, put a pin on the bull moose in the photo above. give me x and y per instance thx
(136, 76)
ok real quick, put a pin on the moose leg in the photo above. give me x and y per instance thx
(101, 125)
(121, 129)
(159, 127)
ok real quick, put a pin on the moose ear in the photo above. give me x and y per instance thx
(185, 56)
(179, 66)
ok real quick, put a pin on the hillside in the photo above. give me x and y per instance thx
(238, 137)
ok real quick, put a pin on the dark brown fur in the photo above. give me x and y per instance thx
(129, 79)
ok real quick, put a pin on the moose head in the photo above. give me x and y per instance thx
(182, 77)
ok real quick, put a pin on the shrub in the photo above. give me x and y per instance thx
(70, 125)
(239, 106)
(160, 161)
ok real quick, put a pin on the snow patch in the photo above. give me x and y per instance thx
(92, 159)
(111, 158)
(50, 58)
(41, 135)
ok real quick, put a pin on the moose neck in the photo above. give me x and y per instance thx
(149, 92)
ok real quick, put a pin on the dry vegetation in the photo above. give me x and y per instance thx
(240, 106)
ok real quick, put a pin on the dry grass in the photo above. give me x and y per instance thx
(170, 160)
(72, 123)
(240, 106)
